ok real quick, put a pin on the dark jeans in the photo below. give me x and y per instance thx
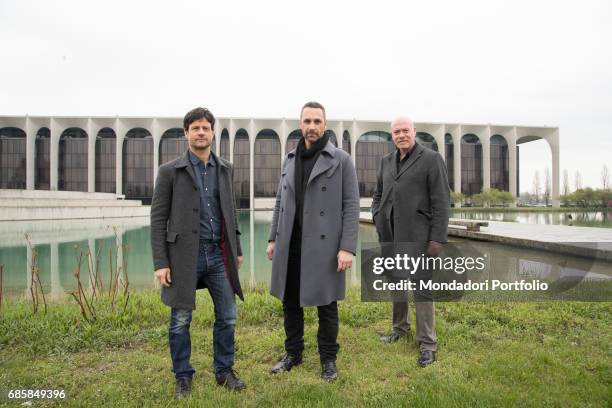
(211, 274)
(327, 334)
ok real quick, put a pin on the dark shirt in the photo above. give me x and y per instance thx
(399, 163)
(208, 186)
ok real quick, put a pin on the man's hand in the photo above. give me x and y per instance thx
(163, 276)
(239, 260)
(345, 260)
(270, 250)
(434, 248)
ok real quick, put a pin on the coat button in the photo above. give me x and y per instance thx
(322, 213)
(194, 231)
(195, 187)
(282, 209)
(195, 210)
(324, 188)
(284, 187)
(323, 236)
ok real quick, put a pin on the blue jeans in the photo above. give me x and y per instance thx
(211, 274)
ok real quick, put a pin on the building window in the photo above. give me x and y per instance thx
(241, 169)
(106, 162)
(72, 171)
(42, 174)
(173, 143)
(346, 142)
(471, 165)
(371, 147)
(267, 163)
(450, 160)
(224, 145)
(500, 163)
(12, 158)
(427, 140)
(138, 165)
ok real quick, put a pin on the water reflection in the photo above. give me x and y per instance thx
(58, 244)
(580, 219)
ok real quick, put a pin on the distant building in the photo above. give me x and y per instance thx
(121, 154)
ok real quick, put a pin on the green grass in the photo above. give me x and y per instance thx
(490, 354)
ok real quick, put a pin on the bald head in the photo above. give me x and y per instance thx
(403, 121)
(403, 133)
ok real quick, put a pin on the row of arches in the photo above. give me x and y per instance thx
(138, 163)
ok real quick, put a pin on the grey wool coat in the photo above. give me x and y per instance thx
(419, 195)
(330, 223)
(175, 228)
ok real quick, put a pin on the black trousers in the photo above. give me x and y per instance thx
(327, 335)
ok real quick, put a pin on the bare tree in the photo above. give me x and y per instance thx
(605, 177)
(536, 186)
(547, 185)
(566, 185)
(577, 180)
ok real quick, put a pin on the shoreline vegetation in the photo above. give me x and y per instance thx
(529, 354)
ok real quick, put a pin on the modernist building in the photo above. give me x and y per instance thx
(121, 154)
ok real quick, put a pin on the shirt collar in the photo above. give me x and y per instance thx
(195, 160)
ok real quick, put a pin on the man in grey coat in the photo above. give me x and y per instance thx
(411, 207)
(313, 238)
(195, 243)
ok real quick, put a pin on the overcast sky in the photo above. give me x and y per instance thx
(501, 62)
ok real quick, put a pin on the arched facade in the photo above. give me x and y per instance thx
(62, 154)
(471, 164)
(242, 177)
(138, 165)
(371, 147)
(72, 170)
(427, 140)
(106, 152)
(267, 163)
(12, 158)
(500, 163)
(173, 143)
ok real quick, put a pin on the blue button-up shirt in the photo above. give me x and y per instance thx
(210, 208)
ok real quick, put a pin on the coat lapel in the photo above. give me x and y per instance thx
(327, 159)
(183, 162)
(414, 156)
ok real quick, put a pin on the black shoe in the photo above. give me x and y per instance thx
(229, 380)
(328, 371)
(182, 389)
(286, 363)
(393, 337)
(426, 358)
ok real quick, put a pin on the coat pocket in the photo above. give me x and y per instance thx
(425, 214)
(171, 236)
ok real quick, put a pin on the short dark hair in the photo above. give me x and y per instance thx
(314, 105)
(198, 114)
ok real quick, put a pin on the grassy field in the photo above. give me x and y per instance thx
(554, 354)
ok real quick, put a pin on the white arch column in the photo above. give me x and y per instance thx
(553, 141)
(91, 156)
(252, 134)
(353, 138)
(486, 158)
(157, 134)
(512, 162)
(31, 131)
(120, 131)
(55, 130)
(457, 159)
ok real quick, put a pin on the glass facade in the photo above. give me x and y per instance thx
(292, 140)
(224, 145)
(346, 142)
(267, 163)
(471, 164)
(72, 170)
(12, 158)
(106, 158)
(427, 140)
(42, 175)
(173, 143)
(371, 147)
(332, 137)
(241, 169)
(138, 165)
(500, 163)
(450, 160)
